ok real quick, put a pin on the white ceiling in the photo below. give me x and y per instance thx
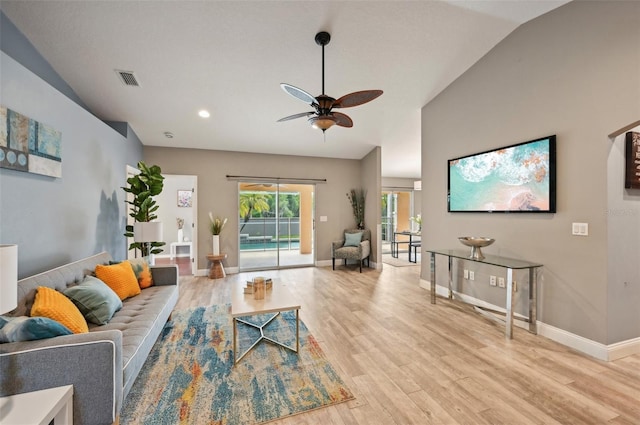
(229, 57)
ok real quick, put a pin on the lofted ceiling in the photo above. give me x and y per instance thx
(229, 57)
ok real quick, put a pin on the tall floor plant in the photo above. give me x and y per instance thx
(144, 186)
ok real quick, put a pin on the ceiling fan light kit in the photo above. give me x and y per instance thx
(323, 122)
(324, 117)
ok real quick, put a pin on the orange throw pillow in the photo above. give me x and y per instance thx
(54, 305)
(119, 277)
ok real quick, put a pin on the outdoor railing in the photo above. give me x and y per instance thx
(262, 233)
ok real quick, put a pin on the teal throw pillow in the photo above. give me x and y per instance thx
(95, 300)
(352, 239)
(24, 328)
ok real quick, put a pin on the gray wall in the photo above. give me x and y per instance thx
(623, 214)
(219, 195)
(371, 181)
(55, 221)
(574, 72)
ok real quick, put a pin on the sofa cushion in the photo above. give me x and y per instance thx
(54, 305)
(95, 300)
(141, 317)
(24, 328)
(352, 239)
(120, 277)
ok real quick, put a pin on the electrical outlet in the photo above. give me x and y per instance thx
(472, 275)
(492, 280)
(466, 274)
(501, 282)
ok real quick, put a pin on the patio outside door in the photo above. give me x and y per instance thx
(396, 215)
(275, 226)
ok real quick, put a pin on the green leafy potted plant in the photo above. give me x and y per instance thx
(144, 186)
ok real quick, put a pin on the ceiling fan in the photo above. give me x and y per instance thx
(324, 116)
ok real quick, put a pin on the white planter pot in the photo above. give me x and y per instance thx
(180, 235)
(216, 244)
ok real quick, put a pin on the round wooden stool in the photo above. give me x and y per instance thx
(217, 269)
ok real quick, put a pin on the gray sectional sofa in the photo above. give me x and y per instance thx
(102, 364)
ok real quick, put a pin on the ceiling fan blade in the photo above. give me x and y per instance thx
(293, 117)
(299, 94)
(356, 98)
(342, 120)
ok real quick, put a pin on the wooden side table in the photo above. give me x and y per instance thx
(217, 269)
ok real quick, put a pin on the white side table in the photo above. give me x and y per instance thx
(39, 407)
(174, 245)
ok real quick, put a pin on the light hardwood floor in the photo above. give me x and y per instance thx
(410, 362)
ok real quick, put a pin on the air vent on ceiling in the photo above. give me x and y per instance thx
(128, 78)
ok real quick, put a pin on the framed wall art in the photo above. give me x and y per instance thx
(185, 199)
(519, 178)
(632, 161)
(29, 145)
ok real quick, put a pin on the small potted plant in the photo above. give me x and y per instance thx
(215, 226)
(418, 220)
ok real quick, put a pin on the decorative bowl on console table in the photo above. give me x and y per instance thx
(476, 243)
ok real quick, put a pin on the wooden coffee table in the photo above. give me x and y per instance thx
(276, 300)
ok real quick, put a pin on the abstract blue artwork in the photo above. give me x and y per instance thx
(28, 145)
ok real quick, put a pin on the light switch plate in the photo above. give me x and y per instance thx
(580, 229)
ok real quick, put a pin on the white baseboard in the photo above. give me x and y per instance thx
(622, 349)
(577, 342)
(584, 345)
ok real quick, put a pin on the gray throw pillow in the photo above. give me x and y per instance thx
(352, 239)
(95, 300)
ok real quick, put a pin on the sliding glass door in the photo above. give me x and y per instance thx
(276, 225)
(397, 207)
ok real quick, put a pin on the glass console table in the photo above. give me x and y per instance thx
(510, 264)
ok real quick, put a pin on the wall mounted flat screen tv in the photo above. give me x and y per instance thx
(519, 178)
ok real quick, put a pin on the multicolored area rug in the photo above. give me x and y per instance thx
(189, 376)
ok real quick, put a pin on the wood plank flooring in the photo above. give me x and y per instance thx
(410, 362)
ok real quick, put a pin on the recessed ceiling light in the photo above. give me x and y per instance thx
(204, 113)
